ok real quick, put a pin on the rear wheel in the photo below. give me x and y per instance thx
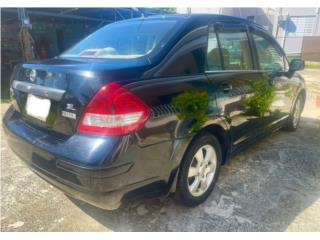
(294, 119)
(199, 170)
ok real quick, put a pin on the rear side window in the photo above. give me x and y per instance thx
(235, 50)
(213, 52)
(270, 58)
(188, 58)
(189, 62)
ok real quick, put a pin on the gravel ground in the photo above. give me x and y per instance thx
(273, 186)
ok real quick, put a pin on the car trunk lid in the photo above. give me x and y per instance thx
(53, 94)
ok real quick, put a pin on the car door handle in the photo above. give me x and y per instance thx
(226, 87)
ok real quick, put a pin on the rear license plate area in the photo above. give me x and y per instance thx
(38, 107)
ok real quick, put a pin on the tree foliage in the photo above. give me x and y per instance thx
(171, 10)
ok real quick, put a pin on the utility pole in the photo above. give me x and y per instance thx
(278, 20)
(25, 37)
(285, 31)
(23, 17)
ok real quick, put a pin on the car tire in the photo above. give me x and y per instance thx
(198, 172)
(294, 118)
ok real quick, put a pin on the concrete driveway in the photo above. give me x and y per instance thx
(273, 186)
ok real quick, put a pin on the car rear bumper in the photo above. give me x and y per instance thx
(108, 201)
(88, 179)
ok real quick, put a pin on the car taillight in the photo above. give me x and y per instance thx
(113, 111)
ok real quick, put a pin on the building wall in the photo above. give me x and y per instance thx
(311, 48)
(183, 10)
(263, 16)
(299, 11)
(306, 21)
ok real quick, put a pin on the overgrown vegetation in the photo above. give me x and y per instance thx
(192, 105)
(171, 10)
(260, 102)
(312, 65)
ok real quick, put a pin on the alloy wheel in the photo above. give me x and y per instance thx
(202, 170)
(297, 112)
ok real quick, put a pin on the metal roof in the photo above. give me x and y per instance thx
(90, 14)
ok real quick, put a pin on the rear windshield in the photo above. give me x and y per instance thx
(126, 40)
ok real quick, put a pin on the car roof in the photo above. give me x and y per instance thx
(195, 20)
(203, 17)
(199, 16)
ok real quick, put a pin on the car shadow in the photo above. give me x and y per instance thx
(264, 188)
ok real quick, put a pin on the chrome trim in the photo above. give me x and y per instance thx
(234, 71)
(42, 91)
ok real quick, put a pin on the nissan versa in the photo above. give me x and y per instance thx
(148, 106)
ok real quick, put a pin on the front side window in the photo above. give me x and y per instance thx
(270, 58)
(235, 50)
(123, 40)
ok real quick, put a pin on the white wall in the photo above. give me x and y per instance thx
(299, 11)
(199, 10)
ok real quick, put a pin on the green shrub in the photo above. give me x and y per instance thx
(261, 99)
(192, 105)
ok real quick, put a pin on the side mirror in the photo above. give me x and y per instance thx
(296, 65)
